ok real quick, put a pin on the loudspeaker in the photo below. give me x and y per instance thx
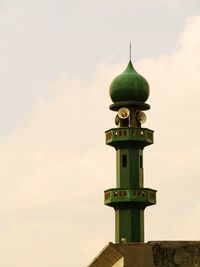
(117, 120)
(123, 113)
(142, 117)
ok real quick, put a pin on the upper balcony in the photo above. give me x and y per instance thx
(118, 137)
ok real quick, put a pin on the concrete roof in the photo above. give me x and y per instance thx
(107, 257)
(151, 254)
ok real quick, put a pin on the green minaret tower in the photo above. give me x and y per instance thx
(129, 92)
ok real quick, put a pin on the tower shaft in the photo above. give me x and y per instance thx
(129, 224)
(129, 167)
(129, 198)
(129, 219)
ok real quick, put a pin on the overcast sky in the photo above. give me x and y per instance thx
(57, 59)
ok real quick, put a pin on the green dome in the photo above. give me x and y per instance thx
(129, 86)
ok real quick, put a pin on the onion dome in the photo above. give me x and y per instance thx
(129, 88)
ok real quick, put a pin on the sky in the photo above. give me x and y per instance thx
(57, 60)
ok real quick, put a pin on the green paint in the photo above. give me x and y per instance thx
(127, 196)
(127, 220)
(132, 168)
(129, 86)
(130, 198)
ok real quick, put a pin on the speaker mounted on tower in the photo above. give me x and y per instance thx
(123, 117)
(123, 113)
(141, 117)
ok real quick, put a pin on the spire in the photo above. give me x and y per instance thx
(130, 51)
(130, 68)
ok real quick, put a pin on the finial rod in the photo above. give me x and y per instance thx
(130, 51)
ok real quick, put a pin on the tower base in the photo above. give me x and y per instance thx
(151, 254)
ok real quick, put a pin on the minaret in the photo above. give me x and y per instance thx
(129, 92)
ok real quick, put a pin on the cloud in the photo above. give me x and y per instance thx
(54, 169)
(51, 178)
(189, 39)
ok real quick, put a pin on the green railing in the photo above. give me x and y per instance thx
(146, 196)
(129, 134)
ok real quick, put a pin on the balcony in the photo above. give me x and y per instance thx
(128, 136)
(141, 196)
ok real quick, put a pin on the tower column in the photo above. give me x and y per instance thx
(127, 220)
(129, 167)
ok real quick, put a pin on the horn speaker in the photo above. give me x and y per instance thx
(123, 113)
